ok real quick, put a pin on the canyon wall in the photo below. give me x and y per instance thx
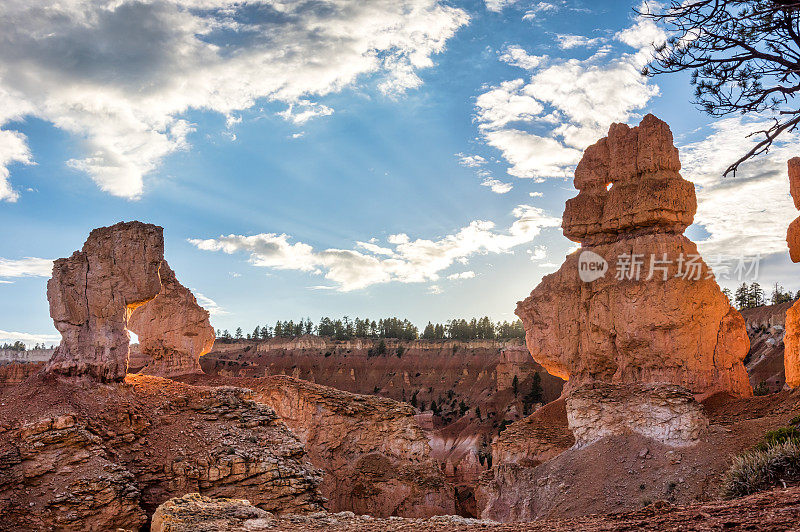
(471, 383)
(374, 456)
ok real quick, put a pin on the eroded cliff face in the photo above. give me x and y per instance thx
(89, 457)
(766, 327)
(375, 458)
(477, 373)
(660, 317)
(791, 356)
(173, 330)
(92, 294)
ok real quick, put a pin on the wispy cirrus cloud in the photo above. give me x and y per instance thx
(121, 75)
(400, 259)
(26, 267)
(746, 214)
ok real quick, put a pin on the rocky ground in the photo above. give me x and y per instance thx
(78, 455)
(623, 472)
(777, 510)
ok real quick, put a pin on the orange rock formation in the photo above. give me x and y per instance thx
(173, 330)
(791, 340)
(120, 281)
(93, 292)
(660, 317)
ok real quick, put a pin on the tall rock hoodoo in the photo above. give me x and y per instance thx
(173, 330)
(791, 340)
(93, 292)
(636, 304)
(120, 281)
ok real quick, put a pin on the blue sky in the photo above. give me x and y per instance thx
(406, 158)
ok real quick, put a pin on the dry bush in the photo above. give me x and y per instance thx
(762, 469)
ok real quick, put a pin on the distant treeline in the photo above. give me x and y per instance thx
(16, 346)
(345, 329)
(752, 295)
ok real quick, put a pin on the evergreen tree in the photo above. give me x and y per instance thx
(238, 335)
(257, 333)
(742, 297)
(756, 295)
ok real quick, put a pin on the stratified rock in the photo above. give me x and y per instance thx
(657, 315)
(664, 413)
(535, 439)
(173, 330)
(629, 184)
(93, 292)
(375, 456)
(194, 513)
(84, 457)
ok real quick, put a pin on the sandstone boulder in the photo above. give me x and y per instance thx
(173, 330)
(657, 315)
(664, 413)
(93, 292)
(194, 512)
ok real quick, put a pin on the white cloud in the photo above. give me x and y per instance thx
(535, 194)
(497, 186)
(401, 260)
(469, 274)
(29, 339)
(519, 57)
(568, 41)
(642, 35)
(538, 253)
(306, 110)
(541, 7)
(542, 125)
(121, 75)
(747, 214)
(470, 161)
(435, 289)
(506, 103)
(27, 267)
(498, 5)
(13, 149)
(209, 304)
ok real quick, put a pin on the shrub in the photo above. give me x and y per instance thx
(761, 389)
(759, 469)
(779, 436)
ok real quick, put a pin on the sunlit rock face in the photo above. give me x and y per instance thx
(173, 330)
(92, 294)
(791, 340)
(656, 314)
